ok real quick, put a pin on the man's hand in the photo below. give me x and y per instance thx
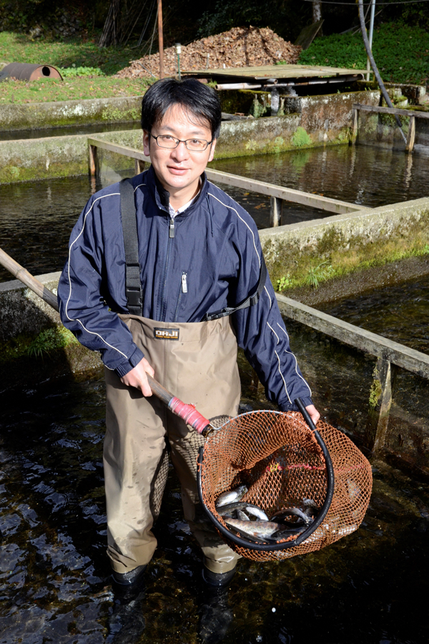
(313, 413)
(137, 377)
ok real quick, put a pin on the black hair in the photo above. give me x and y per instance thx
(195, 97)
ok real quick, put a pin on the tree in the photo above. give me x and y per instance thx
(317, 10)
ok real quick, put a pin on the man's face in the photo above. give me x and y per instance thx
(179, 170)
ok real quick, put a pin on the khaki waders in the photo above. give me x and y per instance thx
(200, 367)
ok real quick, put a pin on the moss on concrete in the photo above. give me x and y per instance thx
(62, 156)
(43, 344)
(344, 244)
(69, 113)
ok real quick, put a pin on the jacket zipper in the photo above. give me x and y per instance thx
(167, 263)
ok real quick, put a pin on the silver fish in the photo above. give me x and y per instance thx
(257, 512)
(230, 496)
(230, 508)
(242, 515)
(260, 529)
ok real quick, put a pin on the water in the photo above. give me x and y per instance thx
(385, 311)
(36, 217)
(38, 133)
(54, 578)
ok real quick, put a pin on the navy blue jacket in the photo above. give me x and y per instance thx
(203, 260)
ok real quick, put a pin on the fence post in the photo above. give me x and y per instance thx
(355, 122)
(411, 134)
(139, 166)
(275, 211)
(92, 160)
(379, 405)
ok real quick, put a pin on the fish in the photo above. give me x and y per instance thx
(231, 508)
(257, 512)
(242, 515)
(232, 495)
(258, 529)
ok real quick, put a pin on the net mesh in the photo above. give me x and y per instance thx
(277, 457)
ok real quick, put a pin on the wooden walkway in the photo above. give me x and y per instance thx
(277, 194)
(411, 114)
(389, 354)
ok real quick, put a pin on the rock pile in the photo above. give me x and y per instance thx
(239, 47)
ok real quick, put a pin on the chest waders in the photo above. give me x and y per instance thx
(196, 361)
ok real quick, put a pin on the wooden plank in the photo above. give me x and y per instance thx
(411, 135)
(391, 110)
(361, 339)
(288, 194)
(119, 149)
(277, 71)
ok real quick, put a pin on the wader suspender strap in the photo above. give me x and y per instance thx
(249, 301)
(132, 276)
(133, 287)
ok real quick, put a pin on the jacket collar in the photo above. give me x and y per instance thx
(162, 196)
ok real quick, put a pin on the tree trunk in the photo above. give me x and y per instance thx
(112, 25)
(317, 10)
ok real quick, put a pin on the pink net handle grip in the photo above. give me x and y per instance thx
(189, 414)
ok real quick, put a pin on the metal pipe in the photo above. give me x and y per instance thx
(371, 32)
(375, 68)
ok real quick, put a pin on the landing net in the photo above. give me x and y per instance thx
(285, 464)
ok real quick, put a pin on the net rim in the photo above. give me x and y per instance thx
(252, 545)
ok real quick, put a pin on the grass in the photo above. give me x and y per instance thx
(401, 53)
(87, 70)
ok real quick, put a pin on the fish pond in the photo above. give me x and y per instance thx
(36, 217)
(370, 587)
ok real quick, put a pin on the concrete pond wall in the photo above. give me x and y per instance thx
(34, 346)
(318, 121)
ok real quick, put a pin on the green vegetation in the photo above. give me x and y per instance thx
(74, 52)
(283, 283)
(44, 344)
(376, 389)
(400, 51)
(87, 70)
(301, 138)
(320, 273)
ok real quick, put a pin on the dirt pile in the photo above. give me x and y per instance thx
(239, 47)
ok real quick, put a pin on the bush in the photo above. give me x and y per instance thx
(401, 52)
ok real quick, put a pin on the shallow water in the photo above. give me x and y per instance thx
(36, 217)
(54, 579)
(370, 587)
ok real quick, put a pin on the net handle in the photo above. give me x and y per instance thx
(251, 545)
(186, 412)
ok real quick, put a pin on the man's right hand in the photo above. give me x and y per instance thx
(137, 377)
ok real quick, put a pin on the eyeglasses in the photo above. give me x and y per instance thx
(171, 143)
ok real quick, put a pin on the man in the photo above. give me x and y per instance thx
(203, 291)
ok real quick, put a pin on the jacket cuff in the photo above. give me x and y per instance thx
(124, 367)
(292, 407)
